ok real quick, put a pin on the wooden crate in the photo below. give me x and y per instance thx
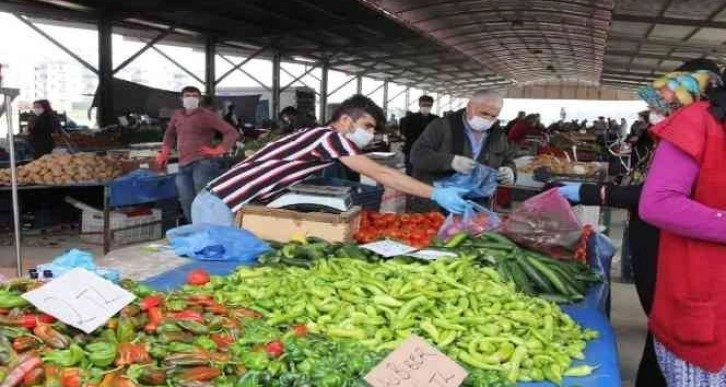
(281, 225)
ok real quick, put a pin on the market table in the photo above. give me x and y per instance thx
(601, 352)
(121, 192)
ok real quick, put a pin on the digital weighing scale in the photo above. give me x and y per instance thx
(314, 198)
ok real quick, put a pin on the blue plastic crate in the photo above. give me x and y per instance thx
(367, 196)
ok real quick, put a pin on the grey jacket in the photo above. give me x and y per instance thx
(434, 151)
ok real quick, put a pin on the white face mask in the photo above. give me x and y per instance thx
(426, 110)
(655, 118)
(38, 111)
(190, 103)
(480, 124)
(360, 137)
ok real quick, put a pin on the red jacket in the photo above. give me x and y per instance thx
(689, 311)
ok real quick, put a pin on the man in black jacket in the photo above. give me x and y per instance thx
(461, 141)
(414, 124)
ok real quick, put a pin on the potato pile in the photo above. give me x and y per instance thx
(64, 169)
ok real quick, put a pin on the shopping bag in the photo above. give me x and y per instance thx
(480, 183)
(545, 223)
(475, 220)
(216, 243)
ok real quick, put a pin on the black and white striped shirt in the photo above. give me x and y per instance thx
(281, 163)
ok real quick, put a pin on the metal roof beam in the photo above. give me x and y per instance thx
(56, 43)
(179, 65)
(714, 48)
(586, 16)
(239, 65)
(148, 45)
(669, 21)
(630, 54)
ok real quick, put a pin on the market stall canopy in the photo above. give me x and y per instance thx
(351, 36)
(450, 46)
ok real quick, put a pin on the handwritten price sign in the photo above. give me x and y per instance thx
(81, 299)
(416, 364)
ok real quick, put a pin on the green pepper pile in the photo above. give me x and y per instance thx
(464, 309)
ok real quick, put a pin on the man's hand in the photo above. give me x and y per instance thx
(450, 199)
(209, 151)
(463, 164)
(162, 158)
(505, 176)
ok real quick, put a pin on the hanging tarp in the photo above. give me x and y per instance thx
(130, 97)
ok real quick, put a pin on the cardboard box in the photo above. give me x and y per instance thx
(281, 225)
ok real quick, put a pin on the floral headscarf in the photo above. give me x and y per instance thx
(688, 87)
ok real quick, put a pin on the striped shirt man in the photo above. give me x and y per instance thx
(280, 164)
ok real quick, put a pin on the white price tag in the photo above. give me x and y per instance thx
(416, 363)
(431, 255)
(81, 299)
(389, 248)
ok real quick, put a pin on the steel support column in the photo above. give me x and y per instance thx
(359, 84)
(275, 84)
(385, 97)
(408, 98)
(324, 92)
(210, 75)
(105, 115)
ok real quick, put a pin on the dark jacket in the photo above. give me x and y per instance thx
(40, 130)
(443, 138)
(446, 137)
(412, 126)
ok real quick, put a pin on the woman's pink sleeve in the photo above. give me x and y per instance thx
(666, 199)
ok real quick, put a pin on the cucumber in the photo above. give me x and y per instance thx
(567, 279)
(551, 276)
(556, 298)
(497, 238)
(520, 278)
(535, 276)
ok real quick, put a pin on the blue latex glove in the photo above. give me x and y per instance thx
(571, 192)
(450, 199)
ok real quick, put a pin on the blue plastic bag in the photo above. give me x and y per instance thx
(600, 253)
(78, 259)
(207, 242)
(481, 182)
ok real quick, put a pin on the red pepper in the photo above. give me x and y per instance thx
(71, 377)
(152, 301)
(216, 308)
(275, 348)
(28, 321)
(155, 317)
(201, 299)
(223, 341)
(4, 311)
(187, 315)
(300, 330)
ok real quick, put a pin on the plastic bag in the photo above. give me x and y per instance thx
(600, 253)
(207, 242)
(481, 182)
(474, 221)
(75, 258)
(545, 223)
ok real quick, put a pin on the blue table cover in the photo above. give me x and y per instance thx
(141, 186)
(602, 352)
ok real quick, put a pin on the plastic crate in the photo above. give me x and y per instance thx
(131, 228)
(367, 196)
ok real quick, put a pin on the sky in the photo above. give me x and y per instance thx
(22, 49)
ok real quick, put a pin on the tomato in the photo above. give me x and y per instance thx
(197, 277)
(417, 218)
(275, 348)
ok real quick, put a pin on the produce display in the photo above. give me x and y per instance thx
(562, 166)
(175, 339)
(58, 169)
(465, 309)
(417, 230)
(561, 281)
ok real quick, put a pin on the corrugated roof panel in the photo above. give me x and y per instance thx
(671, 31)
(709, 35)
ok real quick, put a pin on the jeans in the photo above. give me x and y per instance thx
(207, 208)
(192, 178)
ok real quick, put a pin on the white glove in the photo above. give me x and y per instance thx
(505, 176)
(463, 164)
